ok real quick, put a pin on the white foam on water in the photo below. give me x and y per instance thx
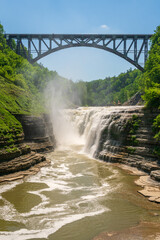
(24, 234)
(8, 186)
(40, 210)
(89, 197)
(7, 212)
(59, 176)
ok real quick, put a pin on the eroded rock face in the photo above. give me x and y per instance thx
(11, 153)
(136, 147)
(36, 128)
(37, 137)
(120, 135)
(21, 163)
(156, 175)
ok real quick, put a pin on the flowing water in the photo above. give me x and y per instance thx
(76, 197)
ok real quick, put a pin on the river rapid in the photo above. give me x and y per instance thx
(76, 197)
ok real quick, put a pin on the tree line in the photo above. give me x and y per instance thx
(22, 84)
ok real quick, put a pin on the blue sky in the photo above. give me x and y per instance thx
(81, 16)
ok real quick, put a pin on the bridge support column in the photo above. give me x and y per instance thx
(29, 49)
(18, 50)
(40, 49)
(124, 47)
(114, 43)
(135, 50)
(50, 43)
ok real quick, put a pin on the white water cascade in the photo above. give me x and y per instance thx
(76, 190)
(86, 125)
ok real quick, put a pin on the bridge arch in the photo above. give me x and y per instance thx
(99, 47)
(130, 47)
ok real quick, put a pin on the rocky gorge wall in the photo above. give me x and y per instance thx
(129, 139)
(26, 148)
(120, 135)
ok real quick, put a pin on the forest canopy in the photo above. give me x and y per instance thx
(23, 84)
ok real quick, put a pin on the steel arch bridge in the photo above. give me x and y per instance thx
(132, 47)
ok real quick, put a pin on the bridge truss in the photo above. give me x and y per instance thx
(131, 47)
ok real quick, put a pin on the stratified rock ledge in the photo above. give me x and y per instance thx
(29, 166)
(24, 157)
(151, 188)
(155, 175)
(128, 139)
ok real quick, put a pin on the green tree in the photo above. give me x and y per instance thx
(152, 66)
(151, 79)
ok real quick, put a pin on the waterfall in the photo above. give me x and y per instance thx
(96, 128)
(102, 128)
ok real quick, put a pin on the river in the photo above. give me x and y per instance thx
(77, 196)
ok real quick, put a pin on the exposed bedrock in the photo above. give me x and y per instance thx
(121, 135)
(37, 137)
(38, 132)
(129, 139)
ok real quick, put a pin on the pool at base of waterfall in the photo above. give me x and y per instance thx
(77, 197)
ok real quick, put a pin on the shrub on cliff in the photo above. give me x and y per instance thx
(152, 97)
(19, 93)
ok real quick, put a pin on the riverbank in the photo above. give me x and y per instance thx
(150, 188)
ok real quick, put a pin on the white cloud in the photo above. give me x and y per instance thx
(104, 26)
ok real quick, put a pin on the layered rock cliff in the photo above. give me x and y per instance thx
(129, 139)
(120, 135)
(24, 151)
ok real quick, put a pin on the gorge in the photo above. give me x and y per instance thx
(119, 134)
(75, 189)
(76, 166)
